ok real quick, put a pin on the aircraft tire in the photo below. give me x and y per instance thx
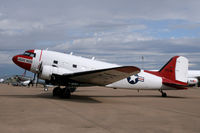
(72, 89)
(66, 93)
(56, 91)
(164, 94)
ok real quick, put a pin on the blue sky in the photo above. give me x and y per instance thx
(116, 31)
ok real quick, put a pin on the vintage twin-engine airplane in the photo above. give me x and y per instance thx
(71, 71)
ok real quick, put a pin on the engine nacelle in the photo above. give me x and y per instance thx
(47, 72)
(193, 81)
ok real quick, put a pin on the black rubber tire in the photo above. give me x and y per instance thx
(66, 93)
(56, 91)
(164, 94)
(72, 89)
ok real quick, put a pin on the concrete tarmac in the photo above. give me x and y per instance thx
(98, 110)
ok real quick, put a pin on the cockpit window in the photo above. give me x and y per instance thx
(32, 54)
(29, 54)
(26, 53)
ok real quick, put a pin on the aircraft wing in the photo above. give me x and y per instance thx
(101, 76)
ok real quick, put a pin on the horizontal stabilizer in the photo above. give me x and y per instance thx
(176, 84)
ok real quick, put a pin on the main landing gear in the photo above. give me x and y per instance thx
(164, 94)
(63, 92)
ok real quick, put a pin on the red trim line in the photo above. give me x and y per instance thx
(40, 56)
(31, 51)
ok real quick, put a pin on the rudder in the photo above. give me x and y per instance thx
(176, 69)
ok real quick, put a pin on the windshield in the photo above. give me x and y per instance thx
(29, 54)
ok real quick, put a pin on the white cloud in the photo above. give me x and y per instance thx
(103, 40)
(1, 14)
(63, 46)
(14, 27)
(117, 31)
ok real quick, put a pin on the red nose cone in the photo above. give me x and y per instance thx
(23, 61)
(14, 59)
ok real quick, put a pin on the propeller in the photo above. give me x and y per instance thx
(24, 74)
(38, 73)
(34, 81)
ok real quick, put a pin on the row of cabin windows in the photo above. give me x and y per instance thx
(56, 62)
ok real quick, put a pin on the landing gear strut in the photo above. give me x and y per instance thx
(163, 93)
(62, 92)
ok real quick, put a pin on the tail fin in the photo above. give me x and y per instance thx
(174, 73)
(176, 69)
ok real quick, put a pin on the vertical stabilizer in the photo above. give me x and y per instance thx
(176, 69)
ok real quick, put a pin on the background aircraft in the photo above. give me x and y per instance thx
(1, 80)
(17, 80)
(72, 71)
(23, 80)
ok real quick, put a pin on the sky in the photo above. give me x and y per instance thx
(115, 31)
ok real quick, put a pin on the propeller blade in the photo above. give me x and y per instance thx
(24, 74)
(38, 74)
(37, 79)
(34, 79)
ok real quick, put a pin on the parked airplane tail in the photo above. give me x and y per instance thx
(176, 69)
(175, 72)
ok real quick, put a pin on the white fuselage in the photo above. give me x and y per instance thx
(140, 81)
(69, 62)
(72, 64)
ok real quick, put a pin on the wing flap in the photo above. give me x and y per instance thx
(102, 76)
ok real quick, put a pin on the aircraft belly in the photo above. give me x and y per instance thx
(164, 87)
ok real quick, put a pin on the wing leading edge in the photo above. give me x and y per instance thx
(102, 76)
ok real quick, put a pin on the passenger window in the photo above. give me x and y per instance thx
(55, 62)
(74, 66)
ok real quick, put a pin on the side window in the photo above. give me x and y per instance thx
(55, 62)
(29, 54)
(74, 66)
(32, 54)
(26, 54)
